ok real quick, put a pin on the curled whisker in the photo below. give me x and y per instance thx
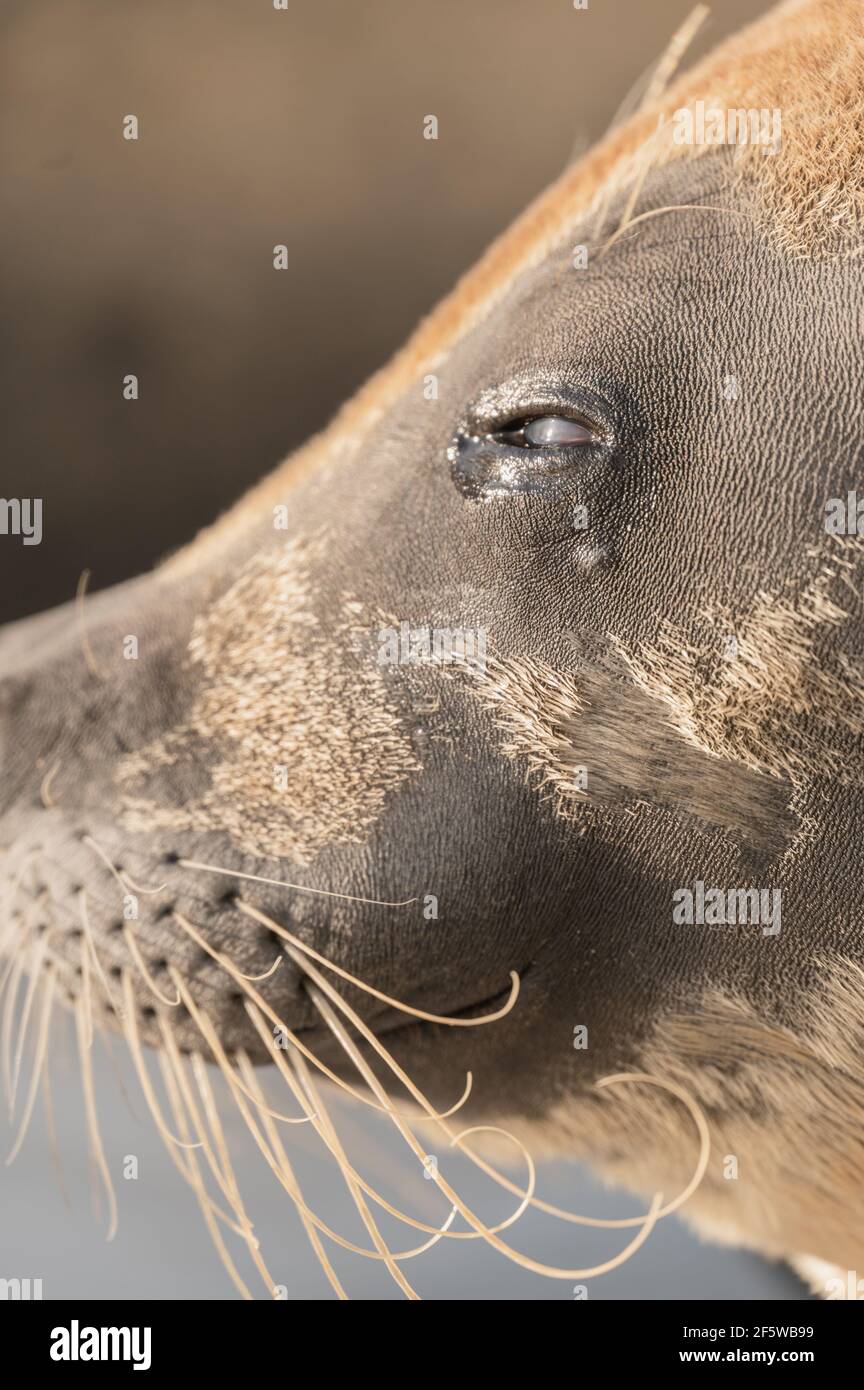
(276, 1158)
(437, 1231)
(123, 879)
(231, 969)
(369, 989)
(320, 991)
(354, 1055)
(45, 786)
(256, 979)
(92, 665)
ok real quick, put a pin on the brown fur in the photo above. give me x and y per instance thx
(785, 1099)
(274, 693)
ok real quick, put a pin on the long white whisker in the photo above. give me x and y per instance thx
(92, 1118)
(385, 998)
(299, 887)
(42, 1032)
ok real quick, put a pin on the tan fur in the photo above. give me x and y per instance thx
(805, 58)
(778, 705)
(732, 738)
(275, 693)
(785, 1101)
(592, 721)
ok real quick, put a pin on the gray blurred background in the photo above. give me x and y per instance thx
(259, 127)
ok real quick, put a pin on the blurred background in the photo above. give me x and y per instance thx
(154, 257)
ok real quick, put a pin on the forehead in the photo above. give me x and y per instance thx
(687, 280)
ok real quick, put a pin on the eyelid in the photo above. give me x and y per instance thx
(506, 406)
(539, 431)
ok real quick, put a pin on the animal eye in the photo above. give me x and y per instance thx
(545, 432)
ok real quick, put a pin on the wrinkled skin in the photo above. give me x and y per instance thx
(693, 498)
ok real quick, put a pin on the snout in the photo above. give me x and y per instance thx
(205, 783)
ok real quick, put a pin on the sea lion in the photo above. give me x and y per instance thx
(628, 780)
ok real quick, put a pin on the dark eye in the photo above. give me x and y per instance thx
(545, 432)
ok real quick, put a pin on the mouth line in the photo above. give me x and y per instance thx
(401, 1024)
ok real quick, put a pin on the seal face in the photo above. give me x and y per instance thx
(651, 694)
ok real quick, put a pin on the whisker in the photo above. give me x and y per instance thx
(181, 1159)
(286, 1178)
(278, 1149)
(35, 971)
(437, 1231)
(318, 989)
(130, 1029)
(81, 590)
(211, 1111)
(256, 979)
(45, 786)
(86, 989)
(42, 1033)
(226, 1179)
(300, 887)
(123, 878)
(20, 961)
(88, 933)
(385, 998)
(356, 1194)
(195, 1179)
(51, 1129)
(551, 1210)
(92, 1118)
(230, 968)
(129, 938)
(673, 207)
